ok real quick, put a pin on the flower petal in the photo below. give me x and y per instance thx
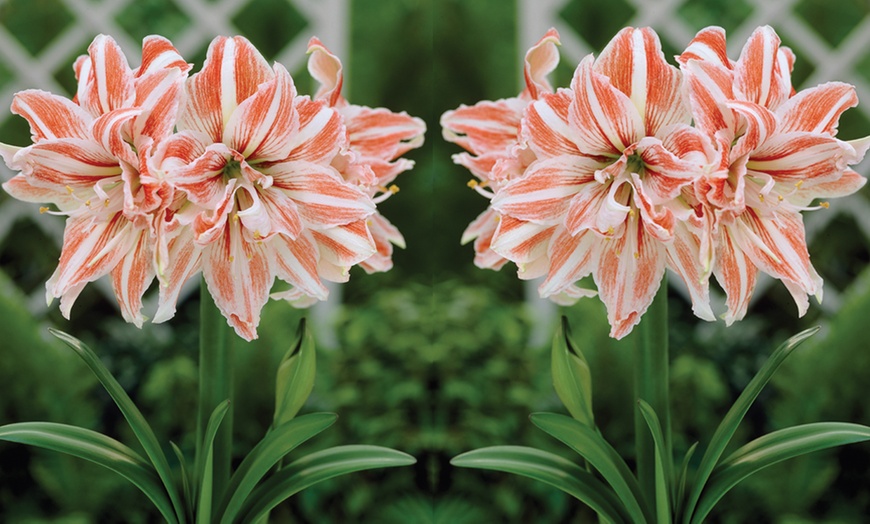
(520, 241)
(105, 78)
(385, 235)
(184, 261)
(20, 188)
(233, 71)
(296, 263)
(382, 134)
(709, 86)
(572, 257)
(51, 116)
(326, 68)
(481, 230)
(321, 133)
(345, 246)
(545, 126)
(132, 276)
(790, 157)
(762, 74)
(485, 127)
(64, 162)
(736, 273)
(541, 59)
(708, 46)
(600, 207)
(754, 128)
(202, 178)
(238, 276)
(684, 257)
(159, 93)
(544, 193)
(159, 54)
(603, 117)
(636, 66)
(817, 110)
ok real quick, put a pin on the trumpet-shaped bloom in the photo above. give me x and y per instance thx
(778, 153)
(84, 162)
(376, 139)
(614, 155)
(253, 160)
(490, 132)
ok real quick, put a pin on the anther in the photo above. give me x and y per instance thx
(636, 255)
(472, 183)
(393, 189)
(799, 183)
(106, 202)
(69, 190)
(825, 205)
(43, 209)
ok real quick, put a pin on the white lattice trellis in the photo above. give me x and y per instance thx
(328, 19)
(838, 62)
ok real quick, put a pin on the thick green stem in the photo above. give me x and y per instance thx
(215, 385)
(651, 385)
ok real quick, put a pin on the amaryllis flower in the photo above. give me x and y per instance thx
(778, 153)
(254, 161)
(84, 162)
(489, 131)
(376, 138)
(604, 197)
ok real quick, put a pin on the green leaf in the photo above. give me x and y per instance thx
(295, 378)
(735, 415)
(550, 469)
(274, 446)
(601, 456)
(97, 448)
(571, 376)
(317, 467)
(663, 464)
(680, 492)
(772, 448)
(134, 417)
(185, 478)
(206, 474)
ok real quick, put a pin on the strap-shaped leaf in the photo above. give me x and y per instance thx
(735, 415)
(680, 491)
(295, 377)
(97, 448)
(601, 456)
(274, 446)
(134, 417)
(205, 476)
(772, 448)
(551, 469)
(186, 486)
(663, 464)
(572, 378)
(317, 467)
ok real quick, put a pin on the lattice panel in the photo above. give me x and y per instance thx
(40, 39)
(830, 38)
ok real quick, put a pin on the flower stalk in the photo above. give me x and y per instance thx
(215, 386)
(651, 385)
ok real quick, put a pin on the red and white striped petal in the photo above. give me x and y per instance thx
(20, 188)
(545, 126)
(382, 134)
(791, 157)
(385, 235)
(132, 276)
(480, 166)
(818, 109)
(326, 68)
(295, 262)
(636, 66)
(600, 207)
(113, 131)
(51, 116)
(667, 172)
(67, 162)
(323, 198)
(709, 86)
(485, 127)
(520, 241)
(778, 246)
(159, 93)
(658, 220)
(541, 59)
(571, 257)
(263, 124)
(846, 185)
(604, 118)
(544, 193)
(279, 212)
(184, 260)
(202, 178)
(481, 230)
(105, 80)
(708, 46)
(238, 276)
(736, 273)
(233, 71)
(629, 272)
(321, 133)
(91, 249)
(684, 258)
(159, 54)
(345, 246)
(755, 126)
(762, 74)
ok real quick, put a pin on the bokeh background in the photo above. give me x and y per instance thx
(435, 357)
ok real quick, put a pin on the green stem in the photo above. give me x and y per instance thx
(215, 385)
(651, 385)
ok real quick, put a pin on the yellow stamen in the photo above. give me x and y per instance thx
(87, 203)
(498, 218)
(69, 190)
(250, 256)
(825, 205)
(780, 198)
(393, 189)
(472, 183)
(799, 184)
(235, 217)
(631, 212)
(610, 230)
(43, 209)
(232, 258)
(618, 252)
(636, 254)
(760, 197)
(106, 203)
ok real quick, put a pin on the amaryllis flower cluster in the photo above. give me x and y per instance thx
(641, 166)
(228, 172)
